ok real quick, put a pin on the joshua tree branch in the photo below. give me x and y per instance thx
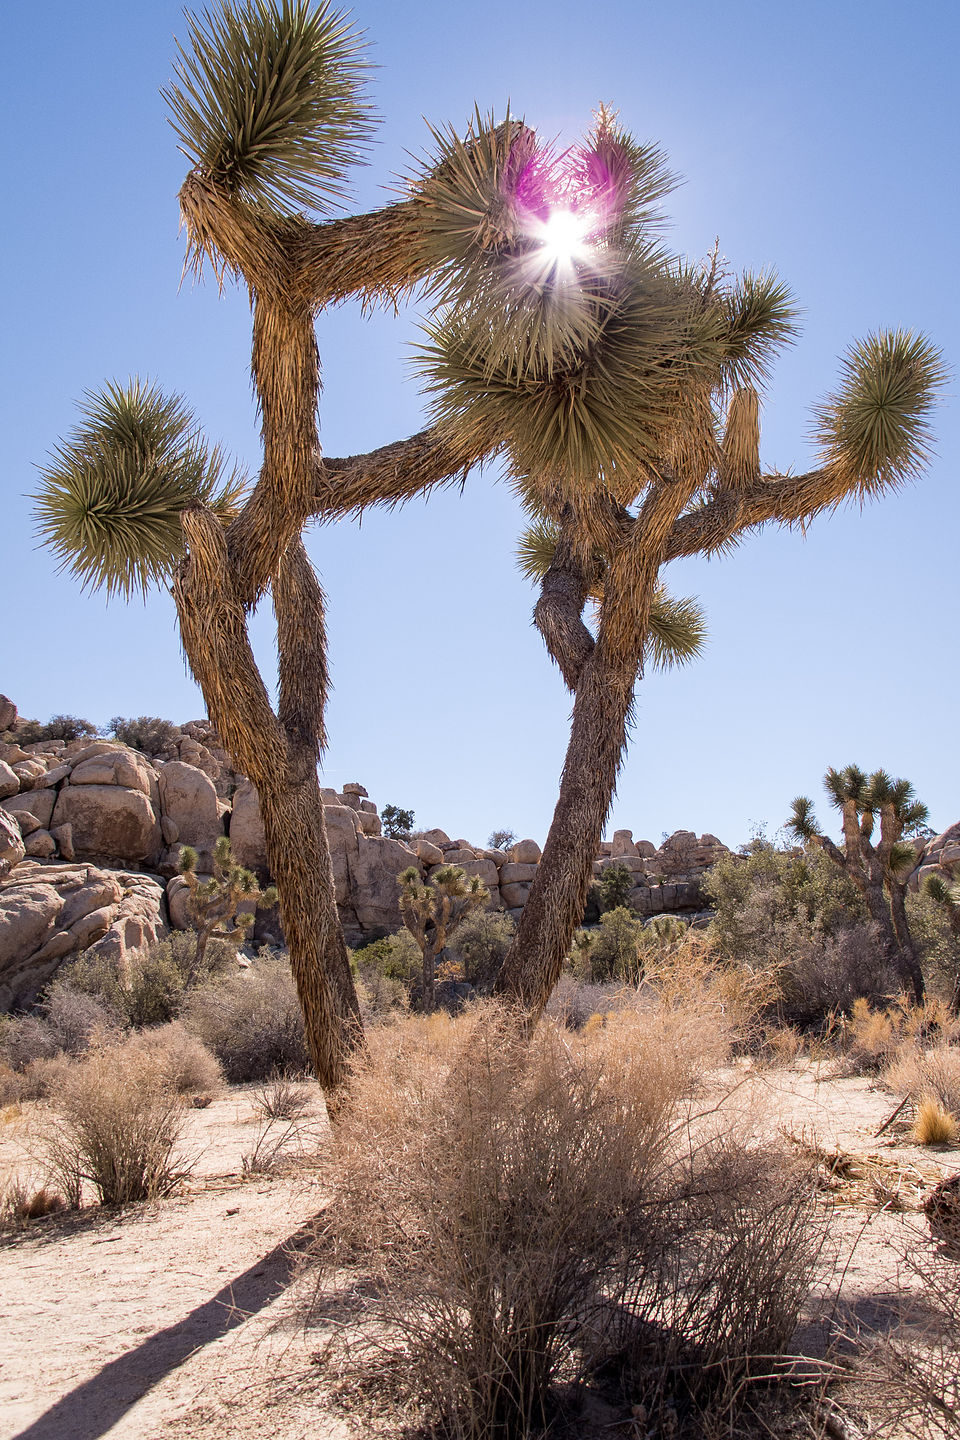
(559, 611)
(783, 499)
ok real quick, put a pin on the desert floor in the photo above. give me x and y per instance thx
(184, 1318)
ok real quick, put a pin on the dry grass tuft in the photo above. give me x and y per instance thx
(933, 1124)
(526, 1214)
(115, 1126)
(20, 1204)
(934, 1072)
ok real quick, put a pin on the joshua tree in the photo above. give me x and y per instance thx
(879, 870)
(625, 388)
(270, 112)
(433, 909)
(946, 893)
(215, 902)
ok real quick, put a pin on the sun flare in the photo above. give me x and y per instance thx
(564, 237)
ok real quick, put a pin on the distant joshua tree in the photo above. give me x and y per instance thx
(432, 909)
(879, 865)
(214, 903)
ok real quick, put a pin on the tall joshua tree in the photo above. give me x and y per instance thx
(269, 108)
(877, 864)
(625, 387)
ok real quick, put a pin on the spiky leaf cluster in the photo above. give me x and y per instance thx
(269, 102)
(110, 501)
(874, 430)
(593, 370)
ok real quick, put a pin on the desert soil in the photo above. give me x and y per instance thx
(181, 1319)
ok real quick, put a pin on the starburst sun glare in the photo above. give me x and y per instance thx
(564, 237)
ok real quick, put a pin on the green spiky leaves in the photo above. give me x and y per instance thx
(678, 629)
(803, 822)
(110, 500)
(874, 430)
(269, 102)
(761, 317)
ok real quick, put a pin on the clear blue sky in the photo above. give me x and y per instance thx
(821, 138)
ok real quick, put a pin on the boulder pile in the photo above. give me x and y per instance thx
(91, 830)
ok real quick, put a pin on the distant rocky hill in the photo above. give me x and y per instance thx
(90, 835)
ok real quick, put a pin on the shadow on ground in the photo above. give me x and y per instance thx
(91, 1409)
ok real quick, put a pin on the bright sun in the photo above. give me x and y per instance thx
(563, 236)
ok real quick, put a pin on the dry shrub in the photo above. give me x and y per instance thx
(574, 1001)
(530, 1212)
(933, 1124)
(185, 1063)
(252, 1022)
(116, 1127)
(695, 978)
(65, 1023)
(20, 1203)
(934, 1072)
(872, 1040)
(915, 1367)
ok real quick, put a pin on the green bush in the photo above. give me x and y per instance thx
(395, 957)
(795, 915)
(481, 942)
(937, 942)
(611, 951)
(614, 885)
(148, 733)
(501, 839)
(151, 988)
(58, 727)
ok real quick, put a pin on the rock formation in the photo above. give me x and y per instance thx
(90, 836)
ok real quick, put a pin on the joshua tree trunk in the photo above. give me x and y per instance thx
(278, 752)
(905, 950)
(558, 895)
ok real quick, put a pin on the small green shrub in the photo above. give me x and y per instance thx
(251, 1021)
(612, 951)
(614, 885)
(501, 839)
(153, 985)
(481, 942)
(395, 957)
(148, 733)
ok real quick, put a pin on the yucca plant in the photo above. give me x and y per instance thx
(879, 865)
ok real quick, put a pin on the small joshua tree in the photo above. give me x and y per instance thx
(432, 909)
(396, 823)
(215, 902)
(878, 866)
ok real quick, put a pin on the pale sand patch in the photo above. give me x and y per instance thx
(122, 1326)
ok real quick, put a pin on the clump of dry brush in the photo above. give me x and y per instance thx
(532, 1222)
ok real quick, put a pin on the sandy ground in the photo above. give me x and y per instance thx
(180, 1319)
